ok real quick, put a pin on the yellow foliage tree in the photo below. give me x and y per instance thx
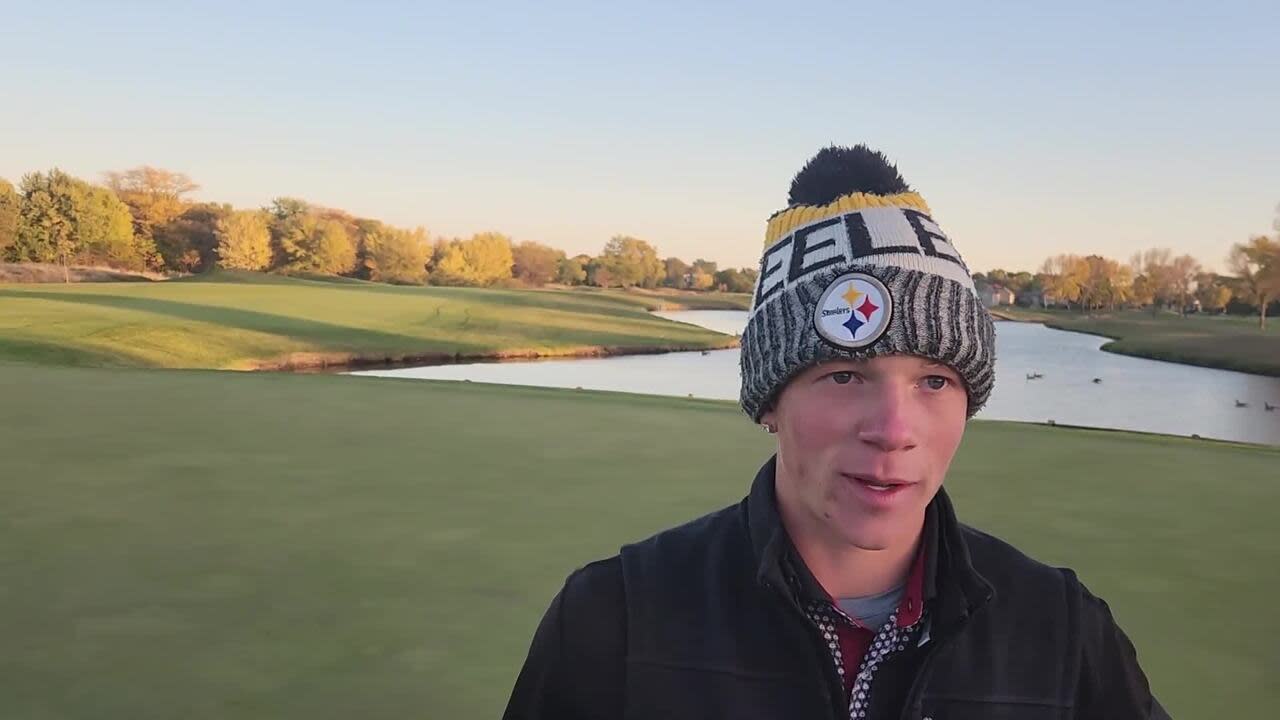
(1157, 266)
(312, 244)
(155, 198)
(9, 206)
(1257, 264)
(1065, 277)
(484, 259)
(396, 256)
(244, 240)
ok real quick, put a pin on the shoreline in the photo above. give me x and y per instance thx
(311, 362)
(339, 361)
(1113, 346)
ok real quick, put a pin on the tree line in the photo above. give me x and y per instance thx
(143, 219)
(1155, 279)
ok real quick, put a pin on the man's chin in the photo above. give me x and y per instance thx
(868, 541)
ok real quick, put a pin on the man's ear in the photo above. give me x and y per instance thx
(769, 416)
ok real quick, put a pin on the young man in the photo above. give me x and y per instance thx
(843, 585)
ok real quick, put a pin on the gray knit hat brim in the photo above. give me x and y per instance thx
(932, 316)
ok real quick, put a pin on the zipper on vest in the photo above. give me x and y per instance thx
(830, 676)
(937, 643)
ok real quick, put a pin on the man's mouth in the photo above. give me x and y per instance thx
(876, 483)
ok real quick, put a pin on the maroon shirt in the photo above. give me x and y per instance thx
(855, 639)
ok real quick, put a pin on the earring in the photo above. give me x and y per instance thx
(769, 428)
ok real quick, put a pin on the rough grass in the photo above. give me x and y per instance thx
(248, 320)
(1218, 341)
(209, 545)
(51, 273)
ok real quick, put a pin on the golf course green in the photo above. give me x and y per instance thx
(236, 320)
(206, 544)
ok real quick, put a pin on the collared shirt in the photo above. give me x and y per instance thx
(855, 638)
(851, 639)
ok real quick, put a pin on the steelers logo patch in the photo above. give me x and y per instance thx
(853, 311)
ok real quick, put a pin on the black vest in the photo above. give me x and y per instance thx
(714, 629)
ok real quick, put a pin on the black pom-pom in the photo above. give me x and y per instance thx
(837, 171)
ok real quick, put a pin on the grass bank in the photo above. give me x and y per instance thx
(664, 299)
(209, 545)
(254, 321)
(27, 272)
(1217, 341)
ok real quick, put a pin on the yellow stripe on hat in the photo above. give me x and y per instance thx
(784, 222)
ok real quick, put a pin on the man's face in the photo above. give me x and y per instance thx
(864, 445)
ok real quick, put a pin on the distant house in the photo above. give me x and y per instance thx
(1037, 298)
(995, 295)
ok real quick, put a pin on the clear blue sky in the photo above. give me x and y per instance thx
(1103, 127)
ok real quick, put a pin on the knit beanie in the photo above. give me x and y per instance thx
(855, 268)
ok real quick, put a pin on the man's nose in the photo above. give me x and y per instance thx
(889, 426)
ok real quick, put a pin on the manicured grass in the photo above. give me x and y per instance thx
(1219, 341)
(245, 320)
(211, 545)
(665, 299)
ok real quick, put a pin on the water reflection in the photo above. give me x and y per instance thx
(1132, 393)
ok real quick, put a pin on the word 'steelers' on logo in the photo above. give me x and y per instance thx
(853, 311)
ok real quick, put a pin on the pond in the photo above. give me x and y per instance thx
(1133, 393)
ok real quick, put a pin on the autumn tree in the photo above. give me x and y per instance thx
(1182, 274)
(484, 259)
(572, 270)
(287, 216)
(1143, 291)
(534, 263)
(1065, 277)
(9, 206)
(703, 274)
(1257, 265)
(394, 255)
(155, 191)
(599, 273)
(189, 242)
(1016, 281)
(1212, 292)
(631, 261)
(64, 219)
(307, 239)
(45, 230)
(1104, 282)
(244, 240)
(104, 228)
(1093, 282)
(327, 248)
(736, 280)
(155, 197)
(1156, 265)
(675, 272)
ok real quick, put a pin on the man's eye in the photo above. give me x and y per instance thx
(842, 378)
(937, 382)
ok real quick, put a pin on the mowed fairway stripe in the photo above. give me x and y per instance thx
(206, 544)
